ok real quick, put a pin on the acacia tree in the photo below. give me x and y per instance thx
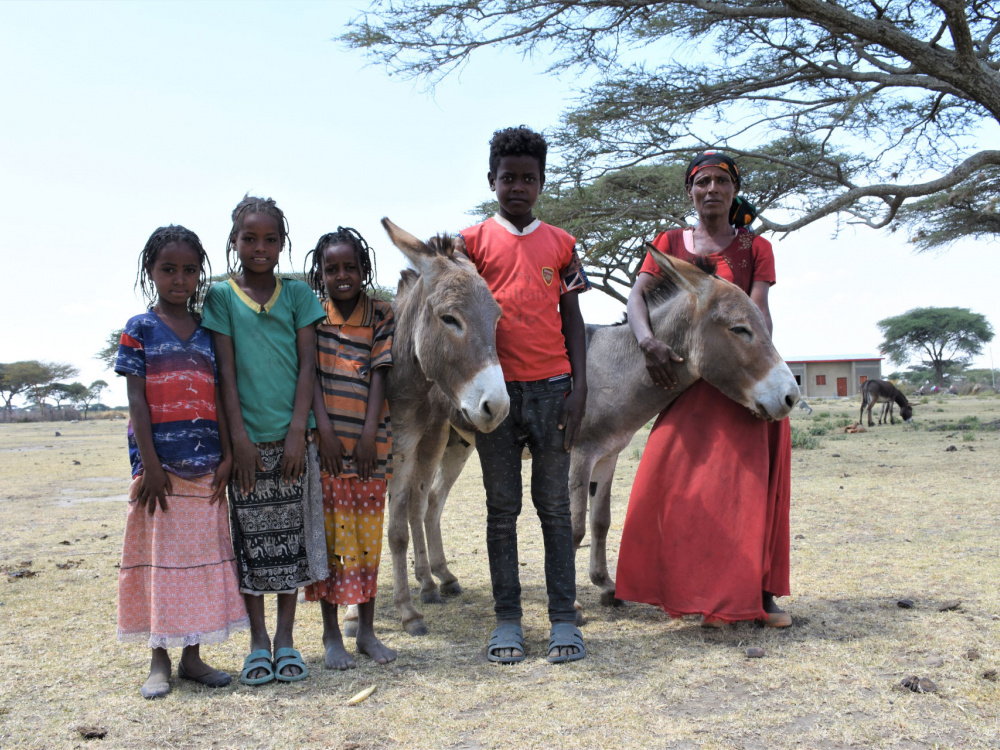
(864, 105)
(16, 378)
(941, 337)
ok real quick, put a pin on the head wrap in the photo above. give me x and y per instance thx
(741, 212)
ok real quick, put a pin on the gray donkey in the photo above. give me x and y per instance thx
(723, 338)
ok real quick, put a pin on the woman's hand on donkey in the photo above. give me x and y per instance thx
(659, 362)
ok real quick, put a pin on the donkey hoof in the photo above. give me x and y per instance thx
(430, 597)
(350, 628)
(578, 619)
(452, 588)
(608, 599)
(416, 627)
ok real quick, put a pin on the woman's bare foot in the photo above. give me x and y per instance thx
(157, 684)
(368, 644)
(774, 616)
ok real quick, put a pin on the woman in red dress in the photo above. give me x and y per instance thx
(706, 530)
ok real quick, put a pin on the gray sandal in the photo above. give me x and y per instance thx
(565, 635)
(503, 637)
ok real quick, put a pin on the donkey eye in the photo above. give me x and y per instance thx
(742, 331)
(451, 320)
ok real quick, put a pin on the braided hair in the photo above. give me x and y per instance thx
(158, 240)
(343, 236)
(247, 207)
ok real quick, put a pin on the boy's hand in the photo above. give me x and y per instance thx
(221, 479)
(367, 457)
(574, 406)
(293, 460)
(659, 362)
(154, 488)
(331, 453)
(246, 463)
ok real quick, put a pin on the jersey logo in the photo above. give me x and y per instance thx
(547, 275)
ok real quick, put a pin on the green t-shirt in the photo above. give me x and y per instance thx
(267, 361)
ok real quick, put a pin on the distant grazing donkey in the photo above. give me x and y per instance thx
(885, 393)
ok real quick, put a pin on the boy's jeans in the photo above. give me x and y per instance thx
(535, 409)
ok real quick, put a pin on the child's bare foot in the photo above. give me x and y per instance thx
(368, 644)
(191, 667)
(157, 685)
(337, 656)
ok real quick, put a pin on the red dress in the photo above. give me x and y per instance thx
(706, 529)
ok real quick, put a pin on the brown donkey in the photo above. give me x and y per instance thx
(885, 393)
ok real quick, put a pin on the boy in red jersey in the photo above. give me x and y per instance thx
(535, 275)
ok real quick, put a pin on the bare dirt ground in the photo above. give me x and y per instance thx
(877, 517)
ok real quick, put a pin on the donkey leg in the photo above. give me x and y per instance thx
(351, 621)
(600, 522)
(399, 541)
(451, 466)
(429, 593)
(428, 459)
(581, 465)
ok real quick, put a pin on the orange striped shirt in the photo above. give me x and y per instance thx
(347, 351)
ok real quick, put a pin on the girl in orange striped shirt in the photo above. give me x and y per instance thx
(354, 350)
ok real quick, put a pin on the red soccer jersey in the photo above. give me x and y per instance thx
(527, 272)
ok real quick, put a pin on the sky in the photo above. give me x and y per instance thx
(121, 117)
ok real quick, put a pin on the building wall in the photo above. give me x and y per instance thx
(819, 379)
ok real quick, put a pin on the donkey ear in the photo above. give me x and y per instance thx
(682, 274)
(417, 252)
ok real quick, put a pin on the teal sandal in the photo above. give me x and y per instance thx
(259, 659)
(289, 657)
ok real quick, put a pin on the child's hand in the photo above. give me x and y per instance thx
(293, 460)
(155, 487)
(246, 462)
(221, 479)
(367, 457)
(331, 453)
(572, 415)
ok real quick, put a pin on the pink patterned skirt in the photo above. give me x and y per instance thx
(177, 585)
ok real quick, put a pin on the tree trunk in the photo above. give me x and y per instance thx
(939, 369)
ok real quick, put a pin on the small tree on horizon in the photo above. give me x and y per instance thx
(941, 337)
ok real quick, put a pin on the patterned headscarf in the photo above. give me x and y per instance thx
(741, 212)
(712, 159)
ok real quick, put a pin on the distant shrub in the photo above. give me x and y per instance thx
(970, 436)
(819, 429)
(802, 439)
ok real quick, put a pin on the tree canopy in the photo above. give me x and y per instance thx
(940, 337)
(872, 109)
(32, 379)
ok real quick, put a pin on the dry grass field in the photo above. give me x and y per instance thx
(876, 517)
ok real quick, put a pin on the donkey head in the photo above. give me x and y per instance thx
(727, 343)
(447, 318)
